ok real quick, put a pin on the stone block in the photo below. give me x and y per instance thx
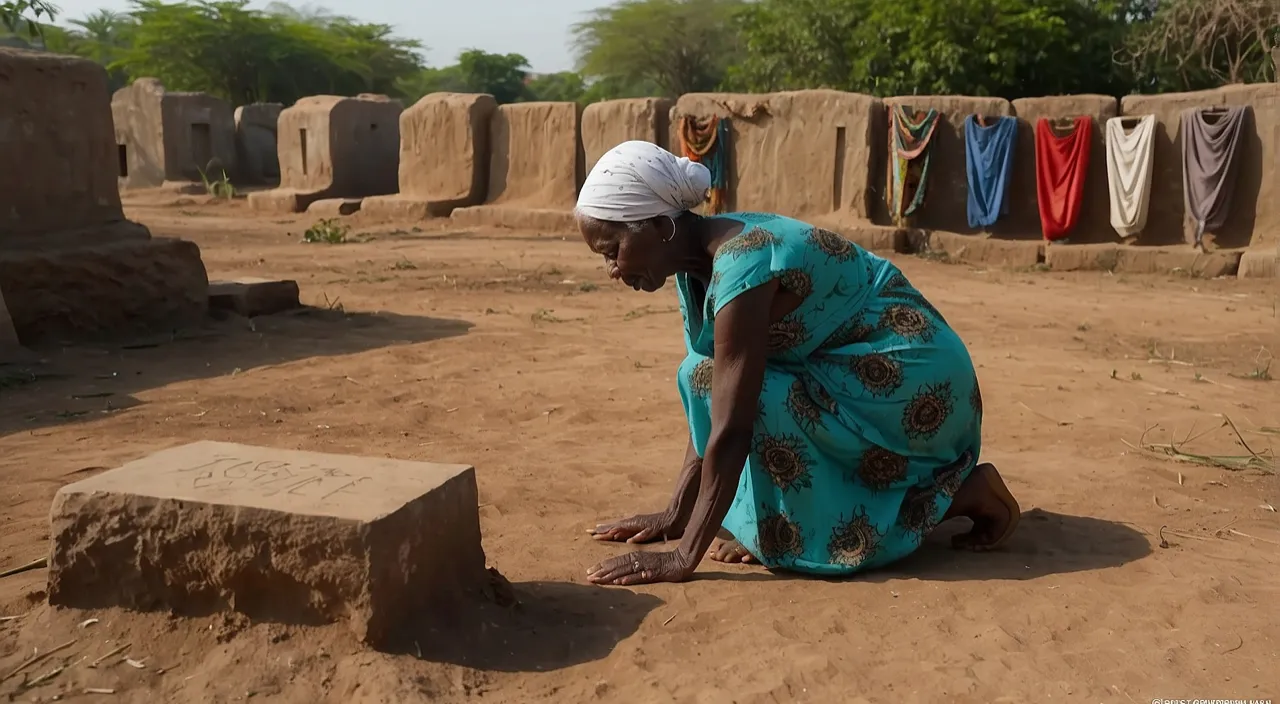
(1260, 264)
(1081, 257)
(557, 221)
(334, 207)
(401, 207)
(1182, 260)
(253, 297)
(104, 291)
(444, 150)
(278, 200)
(975, 249)
(278, 535)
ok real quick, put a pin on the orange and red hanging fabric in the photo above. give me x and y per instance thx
(1061, 165)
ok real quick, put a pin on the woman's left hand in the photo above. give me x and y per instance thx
(640, 568)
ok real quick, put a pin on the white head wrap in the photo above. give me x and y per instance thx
(639, 180)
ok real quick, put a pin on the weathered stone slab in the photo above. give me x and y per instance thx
(1182, 260)
(1260, 264)
(1081, 257)
(334, 207)
(253, 297)
(279, 535)
(975, 249)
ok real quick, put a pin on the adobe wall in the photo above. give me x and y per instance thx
(56, 146)
(199, 136)
(536, 158)
(1023, 221)
(136, 111)
(801, 153)
(947, 191)
(335, 147)
(1254, 218)
(256, 125)
(171, 136)
(444, 150)
(71, 266)
(607, 124)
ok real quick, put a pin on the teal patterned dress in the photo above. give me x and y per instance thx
(870, 416)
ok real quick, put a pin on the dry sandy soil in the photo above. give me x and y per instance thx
(511, 351)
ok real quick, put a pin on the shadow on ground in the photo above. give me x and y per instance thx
(60, 385)
(1045, 543)
(556, 625)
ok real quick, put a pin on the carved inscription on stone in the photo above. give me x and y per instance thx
(266, 478)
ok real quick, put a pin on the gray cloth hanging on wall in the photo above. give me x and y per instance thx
(1209, 165)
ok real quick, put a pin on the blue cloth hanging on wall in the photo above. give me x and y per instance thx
(989, 165)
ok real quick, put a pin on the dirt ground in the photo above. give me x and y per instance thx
(1132, 576)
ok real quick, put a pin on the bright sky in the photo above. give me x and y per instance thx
(538, 29)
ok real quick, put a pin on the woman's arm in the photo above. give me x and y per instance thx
(681, 507)
(742, 333)
(742, 329)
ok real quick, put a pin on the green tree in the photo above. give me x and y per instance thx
(503, 76)
(565, 86)
(26, 16)
(1009, 48)
(677, 46)
(226, 49)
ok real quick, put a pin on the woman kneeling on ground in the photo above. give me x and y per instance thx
(834, 416)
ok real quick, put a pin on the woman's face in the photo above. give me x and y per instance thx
(635, 255)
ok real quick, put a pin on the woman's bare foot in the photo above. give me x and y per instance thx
(729, 550)
(984, 499)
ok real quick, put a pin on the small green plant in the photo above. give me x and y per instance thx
(327, 231)
(220, 187)
(587, 287)
(1135, 376)
(404, 264)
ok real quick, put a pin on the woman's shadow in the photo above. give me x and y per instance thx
(1045, 543)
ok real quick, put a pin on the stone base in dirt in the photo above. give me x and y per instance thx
(283, 200)
(253, 297)
(1260, 264)
(404, 208)
(977, 249)
(117, 289)
(277, 535)
(334, 207)
(1141, 260)
(556, 221)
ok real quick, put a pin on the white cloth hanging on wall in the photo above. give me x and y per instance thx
(1129, 164)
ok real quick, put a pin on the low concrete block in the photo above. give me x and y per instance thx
(279, 535)
(975, 249)
(334, 207)
(278, 200)
(1180, 260)
(253, 297)
(1081, 257)
(1260, 264)
(400, 207)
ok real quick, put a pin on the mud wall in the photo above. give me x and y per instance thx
(1254, 217)
(165, 136)
(607, 124)
(803, 153)
(137, 113)
(946, 198)
(335, 147)
(256, 142)
(444, 148)
(1023, 221)
(536, 159)
(57, 148)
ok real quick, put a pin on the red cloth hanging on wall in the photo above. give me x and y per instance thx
(1061, 165)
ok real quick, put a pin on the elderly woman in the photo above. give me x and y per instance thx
(834, 416)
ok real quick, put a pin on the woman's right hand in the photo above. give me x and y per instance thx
(644, 528)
